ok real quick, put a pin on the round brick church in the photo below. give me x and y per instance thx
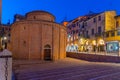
(38, 37)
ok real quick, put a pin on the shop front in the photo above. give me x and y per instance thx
(112, 47)
(83, 45)
(98, 46)
(101, 45)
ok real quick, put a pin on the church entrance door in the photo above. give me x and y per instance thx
(47, 52)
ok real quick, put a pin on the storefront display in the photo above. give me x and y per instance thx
(112, 46)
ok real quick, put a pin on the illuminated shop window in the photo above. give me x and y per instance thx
(112, 47)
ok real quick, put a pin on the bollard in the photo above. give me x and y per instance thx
(5, 65)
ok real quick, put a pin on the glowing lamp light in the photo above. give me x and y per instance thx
(87, 42)
(4, 38)
(81, 41)
(69, 36)
(77, 37)
(94, 42)
(101, 42)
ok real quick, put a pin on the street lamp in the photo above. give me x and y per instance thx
(4, 42)
(5, 38)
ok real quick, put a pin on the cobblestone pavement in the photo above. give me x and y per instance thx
(66, 69)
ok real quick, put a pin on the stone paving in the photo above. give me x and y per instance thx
(66, 69)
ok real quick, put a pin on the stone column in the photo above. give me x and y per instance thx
(5, 65)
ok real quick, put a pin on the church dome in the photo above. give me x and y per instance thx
(40, 15)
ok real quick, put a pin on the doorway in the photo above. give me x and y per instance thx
(47, 52)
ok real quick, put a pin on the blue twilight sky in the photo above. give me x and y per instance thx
(60, 8)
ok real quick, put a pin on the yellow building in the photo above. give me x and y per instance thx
(112, 36)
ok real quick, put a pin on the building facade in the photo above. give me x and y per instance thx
(79, 33)
(4, 35)
(112, 37)
(4, 31)
(90, 32)
(38, 37)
